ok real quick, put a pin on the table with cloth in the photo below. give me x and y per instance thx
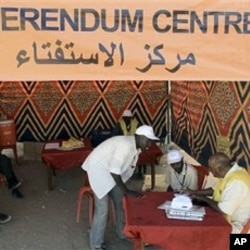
(146, 223)
(57, 159)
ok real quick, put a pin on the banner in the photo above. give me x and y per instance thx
(124, 40)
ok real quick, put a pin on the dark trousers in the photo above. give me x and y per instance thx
(7, 171)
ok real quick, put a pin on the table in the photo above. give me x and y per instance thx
(146, 223)
(56, 159)
(150, 157)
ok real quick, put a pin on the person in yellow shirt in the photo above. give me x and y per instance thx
(231, 195)
(127, 125)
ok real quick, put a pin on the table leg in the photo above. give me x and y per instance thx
(50, 173)
(152, 176)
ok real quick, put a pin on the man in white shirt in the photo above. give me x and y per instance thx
(180, 175)
(109, 167)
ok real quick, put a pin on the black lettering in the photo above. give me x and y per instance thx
(6, 18)
(138, 19)
(195, 20)
(86, 14)
(156, 22)
(46, 19)
(177, 20)
(246, 25)
(73, 22)
(234, 23)
(31, 16)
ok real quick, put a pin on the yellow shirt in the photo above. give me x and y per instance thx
(133, 126)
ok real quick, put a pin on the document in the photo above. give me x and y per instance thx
(52, 145)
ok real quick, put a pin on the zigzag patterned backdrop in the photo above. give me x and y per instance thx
(60, 109)
(202, 111)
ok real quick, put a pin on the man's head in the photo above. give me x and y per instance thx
(175, 160)
(144, 135)
(127, 113)
(219, 164)
(127, 116)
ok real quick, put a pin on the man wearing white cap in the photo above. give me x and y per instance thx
(109, 166)
(180, 175)
(127, 125)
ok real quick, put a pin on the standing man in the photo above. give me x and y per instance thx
(180, 175)
(231, 195)
(109, 167)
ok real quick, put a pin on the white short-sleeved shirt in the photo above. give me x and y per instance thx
(117, 155)
(235, 201)
(186, 179)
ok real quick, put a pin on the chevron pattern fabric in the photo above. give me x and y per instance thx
(60, 109)
(202, 111)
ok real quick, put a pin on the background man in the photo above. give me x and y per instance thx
(109, 166)
(180, 175)
(127, 125)
(13, 183)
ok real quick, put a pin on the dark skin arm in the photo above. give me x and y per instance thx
(201, 195)
(210, 202)
(124, 188)
(201, 192)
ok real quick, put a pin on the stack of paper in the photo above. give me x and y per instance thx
(179, 208)
(195, 213)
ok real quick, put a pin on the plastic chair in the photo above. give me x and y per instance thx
(86, 190)
(2, 180)
(246, 228)
(202, 172)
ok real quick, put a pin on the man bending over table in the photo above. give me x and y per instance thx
(109, 166)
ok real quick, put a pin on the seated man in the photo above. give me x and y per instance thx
(180, 175)
(13, 183)
(231, 195)
(7, 170)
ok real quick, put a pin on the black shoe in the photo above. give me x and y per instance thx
(16, 193)
(4, 218)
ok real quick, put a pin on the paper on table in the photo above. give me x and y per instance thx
(52, 145)
(181, 201)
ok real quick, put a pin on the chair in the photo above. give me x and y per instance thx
(202, 172)
(87, 191)
(2, 180)
(246, 228)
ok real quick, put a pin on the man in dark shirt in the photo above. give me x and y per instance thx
(12, 181)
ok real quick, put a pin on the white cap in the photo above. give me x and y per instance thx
(174, 156)
(146, 131)
(127, 113)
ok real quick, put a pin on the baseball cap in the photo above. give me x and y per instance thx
(147, 131)
(127, 113)
(174, 156)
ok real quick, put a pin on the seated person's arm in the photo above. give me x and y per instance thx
(200, 192)
(210, 202)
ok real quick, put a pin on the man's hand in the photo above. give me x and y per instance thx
(187, 191)
(134, 193)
